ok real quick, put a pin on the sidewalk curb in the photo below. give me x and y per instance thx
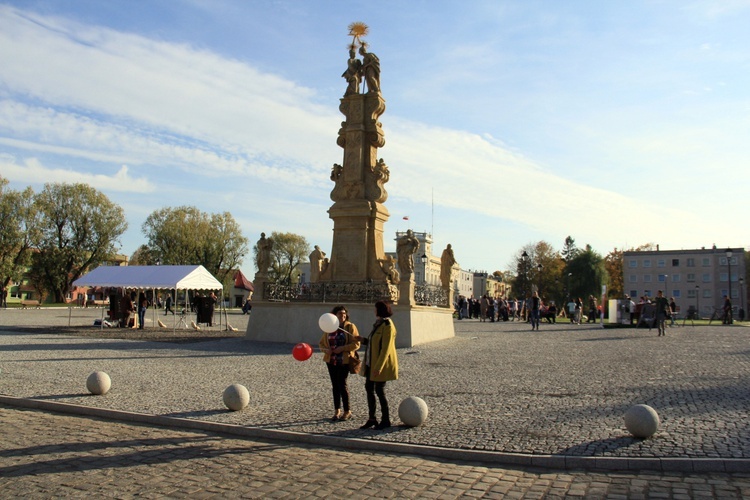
(666, 464)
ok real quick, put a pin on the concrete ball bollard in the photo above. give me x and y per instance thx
(413, 411)
(236, 397)
(98, 383)
(641, 421)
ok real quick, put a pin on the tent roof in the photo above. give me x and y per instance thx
(177, 277)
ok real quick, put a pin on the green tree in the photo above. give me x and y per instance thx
(569, 250)
(288, 252)
(19, 232)
(80, 229)
(613, 265)
(588, 273)
(186, 236)
(529, 276)
(142, 257)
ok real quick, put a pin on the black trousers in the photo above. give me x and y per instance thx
(372, 389)
(339, 374)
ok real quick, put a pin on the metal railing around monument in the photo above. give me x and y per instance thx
(364, 292)
(431, 295)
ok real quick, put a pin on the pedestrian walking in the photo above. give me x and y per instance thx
(662, 312)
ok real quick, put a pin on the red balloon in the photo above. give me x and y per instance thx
(302, 351)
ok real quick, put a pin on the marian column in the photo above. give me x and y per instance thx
(358, 211)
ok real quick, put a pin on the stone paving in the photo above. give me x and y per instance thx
(45, 455)
(496, 387)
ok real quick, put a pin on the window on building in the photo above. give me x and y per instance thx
(661, 263)
(692, 293)
(647, 278)
(705, 262)
(691, 277)
(662, 277)
(691, 262)
(706, 278)
(647, 293)
(632, 263)
(723, 277)
(676, 278)
(735, 293)
(706, 293)
(676, 294)
(633, 293)
(646, 262)
(675, 262)
(633, 278)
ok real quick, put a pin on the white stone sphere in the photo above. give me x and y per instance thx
(413, 411)
(236, 397)
(642, 421)
(98, 383)
(328, 323)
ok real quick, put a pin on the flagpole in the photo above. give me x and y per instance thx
(432, 228)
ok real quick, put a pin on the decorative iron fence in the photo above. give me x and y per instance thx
(364, 292)
(431, 295)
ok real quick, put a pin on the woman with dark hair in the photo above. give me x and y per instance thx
(380, 364)
(338, 347)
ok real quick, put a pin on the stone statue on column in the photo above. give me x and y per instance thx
(316, 264)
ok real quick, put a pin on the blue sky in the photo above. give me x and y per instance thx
(618, 123)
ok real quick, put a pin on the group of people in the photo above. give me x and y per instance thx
(492, 309)
(379, 363)
(576, 309)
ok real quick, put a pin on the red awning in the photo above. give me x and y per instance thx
(241, 282)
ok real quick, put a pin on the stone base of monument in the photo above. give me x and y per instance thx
(298, 322)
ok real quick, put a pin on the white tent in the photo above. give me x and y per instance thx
(151, 278)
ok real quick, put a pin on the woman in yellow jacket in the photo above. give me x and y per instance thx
(337, 348)
(381, 364)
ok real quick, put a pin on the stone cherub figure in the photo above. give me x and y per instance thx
(388, 265)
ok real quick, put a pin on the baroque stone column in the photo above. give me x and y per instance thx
(358, 211)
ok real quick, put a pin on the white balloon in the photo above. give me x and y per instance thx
(328, 323)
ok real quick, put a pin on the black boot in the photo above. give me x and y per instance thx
(371, 422)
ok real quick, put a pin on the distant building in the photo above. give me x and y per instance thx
(485, 283)
(698, 278)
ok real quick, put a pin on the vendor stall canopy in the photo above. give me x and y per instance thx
(151, 277)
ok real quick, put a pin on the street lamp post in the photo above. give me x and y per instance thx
(742, 300)
(698, 300)
(525, 259)
(539, 268)
(729, 281)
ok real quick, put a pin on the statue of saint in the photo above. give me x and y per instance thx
(406, 247)
(447, 261)
(263, 259)
(370, 69)
(353, 73)
(316, 264)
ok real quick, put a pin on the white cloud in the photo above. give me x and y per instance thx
(31, 168)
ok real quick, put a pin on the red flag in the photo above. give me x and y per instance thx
(406, 217)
